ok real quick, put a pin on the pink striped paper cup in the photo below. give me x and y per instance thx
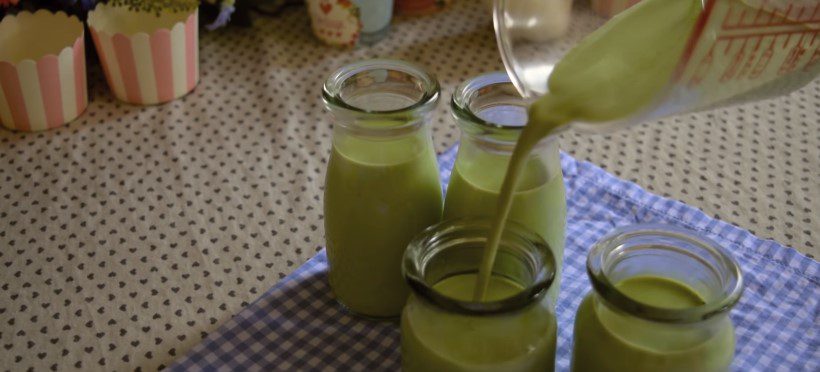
(147, 59)
(609, 8)
(42, 70)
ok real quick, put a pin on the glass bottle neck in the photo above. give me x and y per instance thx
(488, 108)
(491, 114)
(380, 98)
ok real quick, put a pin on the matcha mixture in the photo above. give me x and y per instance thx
(615, 72)
(379, 194)
(539, 203)
(607, 340)
(435, 340)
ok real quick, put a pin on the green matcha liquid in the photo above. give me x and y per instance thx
(491, 115)
(435, 340)
(539, 202)
(442, 329)
(658, 58)
(613, 73)
(608, 340)
(382, 185)
(379, 194)
(660, 292)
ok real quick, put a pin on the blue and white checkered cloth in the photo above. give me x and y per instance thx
(297, 325)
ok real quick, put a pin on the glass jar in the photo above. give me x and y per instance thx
(442, 329)
(491, 115)
(382, 185)
(375, 16)
(660, 302)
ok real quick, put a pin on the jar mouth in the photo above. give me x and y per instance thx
(493, 90)
(489, 108)
(669, 252)
(404, 87)
(455, 247)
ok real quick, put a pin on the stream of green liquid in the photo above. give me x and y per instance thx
(615, 72)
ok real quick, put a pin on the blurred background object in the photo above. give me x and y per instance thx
(42, 70)
(149, 55)
(375, 16)
(350, 22)
(609, 8)
(420, 7)
(271, 7)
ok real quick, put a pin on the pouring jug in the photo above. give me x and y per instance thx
(659, 57)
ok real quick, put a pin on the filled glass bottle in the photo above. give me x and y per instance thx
(491, 115)
(382, 185)
(660, 302)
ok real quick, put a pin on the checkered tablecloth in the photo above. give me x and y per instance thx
(296, 325)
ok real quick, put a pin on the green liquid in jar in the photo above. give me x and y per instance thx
(437, 340)
(660, 292)
(539, 203)
(379, 194)
(609, 340)
(614, 73)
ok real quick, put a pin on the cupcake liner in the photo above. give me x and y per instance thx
(609, 8)
(42, 70)
(146, 60)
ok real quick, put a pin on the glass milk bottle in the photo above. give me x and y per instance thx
(660, 302)
(443, 329)
(382, 184)
(491, 115)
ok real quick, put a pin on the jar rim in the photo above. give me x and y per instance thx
(607, 248)
(426, 245)
(467, 91)
(332, 88)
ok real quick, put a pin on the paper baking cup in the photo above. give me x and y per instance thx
(147, 59)
(42, 70)
(609, 8)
